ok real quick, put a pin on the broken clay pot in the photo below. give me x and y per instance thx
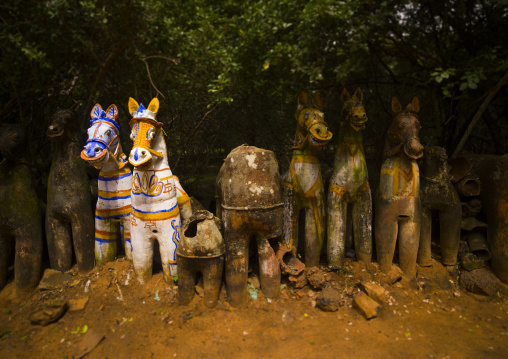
(201, 250)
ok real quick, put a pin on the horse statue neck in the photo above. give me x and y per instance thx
(159, 145)
(302, 146)
(435, 165)
(115, 163)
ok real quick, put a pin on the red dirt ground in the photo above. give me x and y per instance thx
(427, 318)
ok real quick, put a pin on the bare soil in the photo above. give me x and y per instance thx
(430, 317)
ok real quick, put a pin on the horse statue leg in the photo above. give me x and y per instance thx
(59, 239)
(336, 225)
(409, 238)
(82, 225)
(424, 248)
(386, 228)
(362, 224)
(237, 256)
(315, 222)
(291, 211)
(168, 246)
(450, 219)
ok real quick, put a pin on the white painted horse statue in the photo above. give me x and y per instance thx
(104, 151)
(157, 196)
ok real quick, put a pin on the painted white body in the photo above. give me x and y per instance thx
(155, 213)
(104, 151)
(113, 206)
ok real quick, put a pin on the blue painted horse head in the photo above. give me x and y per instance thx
(103, 136)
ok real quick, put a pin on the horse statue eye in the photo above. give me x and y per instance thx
(133, 136)
(108, 133)
(150, 134)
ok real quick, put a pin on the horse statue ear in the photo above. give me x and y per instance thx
(358, 94)
(112, 112)
(133, 106)
(154, 105)
(344, 96)
(303, 100)
(317, 101)
(396, 107)
(415, 105)
(96, 111)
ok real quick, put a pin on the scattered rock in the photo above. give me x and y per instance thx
(480, 281)
(299, 281)
(316, 277)
(471, 262)
(463, 249)
(393, 276)
(287, 317)
(366, 305)
(374, 291)
(78, 304)
(53, 279)
(48, 312)
(329, 300)
(90, 340)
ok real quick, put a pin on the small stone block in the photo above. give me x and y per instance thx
(367, 306)
(78, 304)
(53, 279)
(374, 291)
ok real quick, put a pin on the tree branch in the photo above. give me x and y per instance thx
(491, 94)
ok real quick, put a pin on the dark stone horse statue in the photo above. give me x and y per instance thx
(20, 214)
(398, 211)
(69, 218)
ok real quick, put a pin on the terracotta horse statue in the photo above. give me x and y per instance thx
(69, 217)
(303, 184)
(349, 185)
(20, 214)
(439, 194)
(398, 211)
(156, 195)
(104, 151)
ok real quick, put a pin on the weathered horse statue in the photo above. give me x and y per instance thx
(249, 202)
(398, 211)
(349, 185)
(201, 250)
(156, 195)
(104, 151)
(20, 214)
(69, 218)
(438, 193)
(303, 184)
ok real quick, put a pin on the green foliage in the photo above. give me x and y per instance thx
(228, 72)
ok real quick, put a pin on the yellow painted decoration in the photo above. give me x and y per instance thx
(133, 106)
(154, 105)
